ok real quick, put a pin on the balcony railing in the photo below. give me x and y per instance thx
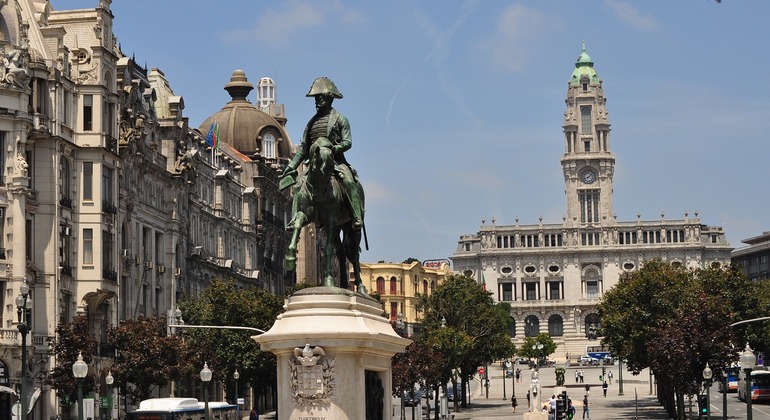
(66, 202)
(109, 274)
(108, 207)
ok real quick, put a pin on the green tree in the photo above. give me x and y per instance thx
(72, 338)
(538, 347)
(674, 320)
(146, 356)
(476, 326)
(225, 350)
(410, 260)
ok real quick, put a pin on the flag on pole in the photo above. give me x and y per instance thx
(211, 135)
(483, 281)
(216, 135)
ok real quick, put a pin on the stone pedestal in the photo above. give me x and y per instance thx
(535, 416)
(334, 349)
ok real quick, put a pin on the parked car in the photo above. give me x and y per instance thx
(412, 398)
(608, 360)
(588, 360)
(452, 393)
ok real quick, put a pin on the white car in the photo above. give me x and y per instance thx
(588, 360)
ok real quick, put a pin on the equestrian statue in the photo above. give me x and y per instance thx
(328, 192)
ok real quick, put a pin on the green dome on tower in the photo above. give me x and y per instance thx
(584, 67)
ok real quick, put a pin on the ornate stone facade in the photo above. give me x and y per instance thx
(554, 274)
(111, 204)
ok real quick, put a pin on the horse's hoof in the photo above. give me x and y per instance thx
(362, 289)
(329, 281)
(290, 263)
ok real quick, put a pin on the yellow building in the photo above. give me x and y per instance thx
(399, 283)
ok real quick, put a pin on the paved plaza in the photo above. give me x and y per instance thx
(635, 403)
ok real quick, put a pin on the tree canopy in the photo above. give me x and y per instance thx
(463, 324)
(674, 320)
(225, 350)
(146, 356)
(72, 339)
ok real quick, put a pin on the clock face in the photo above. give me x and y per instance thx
(588, 177)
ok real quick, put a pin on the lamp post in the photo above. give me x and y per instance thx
(707, 375)
(724, 394)
(747, 364)
(24, 313)
(236, 375)
(400, 327)
(205, 378)
(109, 380)
(537, 348)
(79, 371)
(505, 372)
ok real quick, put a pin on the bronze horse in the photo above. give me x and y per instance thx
(319, 198)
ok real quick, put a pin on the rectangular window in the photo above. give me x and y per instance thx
(107, 184)
(88, 112)
(66, 108)
(29, 244)
(88, 181)
(587, 145)
(585, 119)
(530, 291)
(553, 290)
(107, 246)
(88, 246)
(592, 289)
(507, 292)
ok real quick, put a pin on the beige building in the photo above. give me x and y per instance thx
(554, 274)
(111, 204)
(399, 283)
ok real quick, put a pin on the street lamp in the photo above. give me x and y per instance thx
(79, 371)
(206, 377)
(236, 375)
(109, 380)
(747, 364)
(707, 375)
(24, 313)
(537, 348)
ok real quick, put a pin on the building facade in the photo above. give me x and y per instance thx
(554, 274)
(754, 258)
(112, 205)
(398, 284)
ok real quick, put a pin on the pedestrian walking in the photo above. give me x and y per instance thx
(604, 388)
(609, 375)
(529, 404)
(513, 402)
(518, 375)
(577, 375)
(254, 415)
(586, 413)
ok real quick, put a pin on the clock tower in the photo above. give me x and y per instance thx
(587, 163)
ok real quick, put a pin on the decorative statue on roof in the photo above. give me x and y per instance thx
(328, 192)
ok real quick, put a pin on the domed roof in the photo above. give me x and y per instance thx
(241, 123)
(584, 67)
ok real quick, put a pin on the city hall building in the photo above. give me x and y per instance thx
(554, 274)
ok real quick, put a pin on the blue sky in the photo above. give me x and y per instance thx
(456, 107)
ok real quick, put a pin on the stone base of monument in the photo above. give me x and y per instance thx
(535, 416)
(334, 350)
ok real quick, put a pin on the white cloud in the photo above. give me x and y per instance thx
(629, 14)
(510, 45)
(278, 27)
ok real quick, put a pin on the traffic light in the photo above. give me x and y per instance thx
(604, 373)
(703, 408)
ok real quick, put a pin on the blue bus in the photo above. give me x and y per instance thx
(731, 372)
(182, 409)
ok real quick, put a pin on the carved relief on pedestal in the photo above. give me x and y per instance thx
(312, 376)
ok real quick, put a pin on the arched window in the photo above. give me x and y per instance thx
(268, 146)
(425, 287)
(592, 326)
(555, 326)
(393, 286)
(380, 285)
(531, 326)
